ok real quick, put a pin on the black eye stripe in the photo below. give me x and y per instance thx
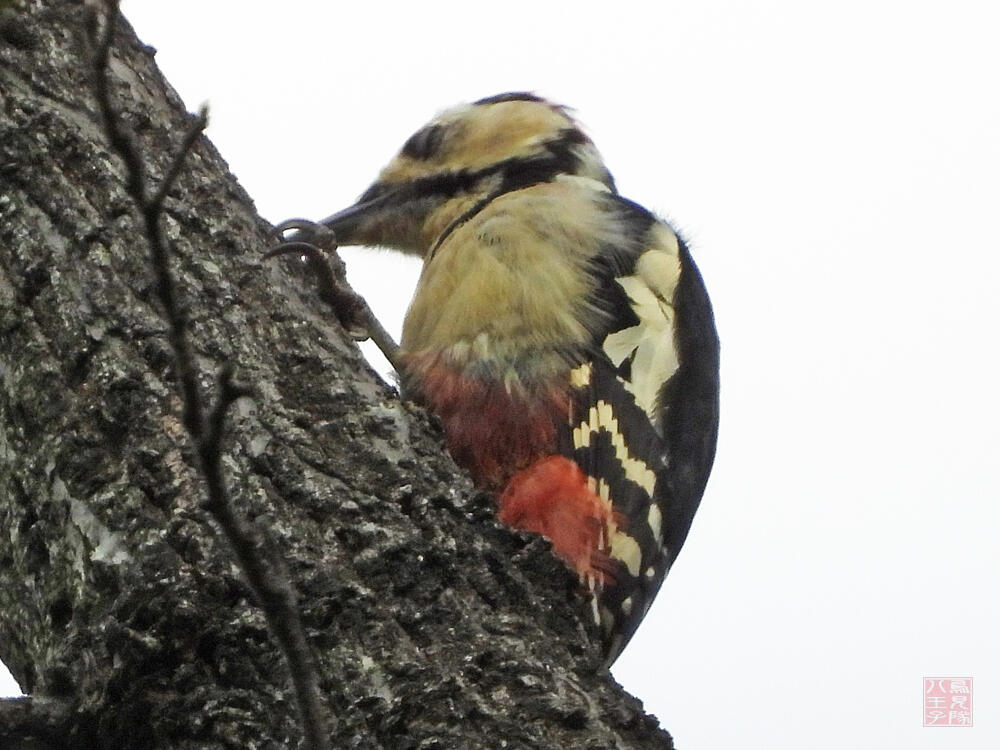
(375, 191)
(425, 143)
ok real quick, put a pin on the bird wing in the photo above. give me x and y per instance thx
(627, 396)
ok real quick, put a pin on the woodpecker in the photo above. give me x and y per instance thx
(561, 333)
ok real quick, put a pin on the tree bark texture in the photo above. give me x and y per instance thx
(122, 612)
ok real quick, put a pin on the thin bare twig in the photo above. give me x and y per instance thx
(350, 307)
(187, 142)
(260, 563)
(124, 144)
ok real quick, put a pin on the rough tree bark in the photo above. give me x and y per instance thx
(121, 610)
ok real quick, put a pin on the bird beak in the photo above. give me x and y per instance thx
(358, 224)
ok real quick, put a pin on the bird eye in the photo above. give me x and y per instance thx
(425, 142)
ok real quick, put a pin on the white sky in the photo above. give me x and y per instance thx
(837, 170)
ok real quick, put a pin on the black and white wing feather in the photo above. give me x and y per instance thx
(646, 413)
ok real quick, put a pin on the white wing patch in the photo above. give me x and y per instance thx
(651, 343)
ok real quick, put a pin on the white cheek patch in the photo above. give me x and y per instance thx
(581, 181)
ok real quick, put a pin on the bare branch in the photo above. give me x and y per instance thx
(260, 563)
(124, 144)
(197, 128)
(229, 392)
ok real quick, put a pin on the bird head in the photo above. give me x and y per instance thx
(460, 161)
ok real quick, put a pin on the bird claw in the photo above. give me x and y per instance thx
(308, 242)
(308, 231)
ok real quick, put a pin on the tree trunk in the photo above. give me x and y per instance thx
(122, 612)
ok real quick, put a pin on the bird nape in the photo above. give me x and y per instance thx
(561, 333)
